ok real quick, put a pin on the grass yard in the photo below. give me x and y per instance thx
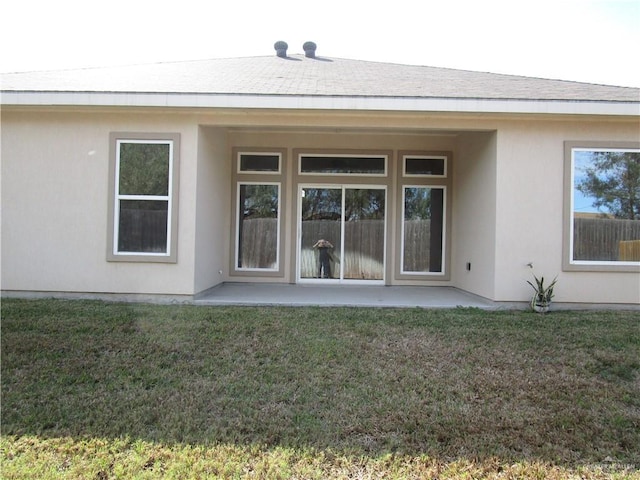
(98, 390)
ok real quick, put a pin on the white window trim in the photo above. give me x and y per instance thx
(237, 229)
(444, 232)
(569, 264)
(258, 172)
(423, 157)
(170, 254)
(344, 155)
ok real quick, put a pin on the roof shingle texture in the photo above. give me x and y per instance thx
(298, 75)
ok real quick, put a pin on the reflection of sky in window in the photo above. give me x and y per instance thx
(582, 203)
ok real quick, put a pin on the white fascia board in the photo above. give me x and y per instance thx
(291, 102)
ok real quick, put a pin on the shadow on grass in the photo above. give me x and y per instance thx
(562, 389)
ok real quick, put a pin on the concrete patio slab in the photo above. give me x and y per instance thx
(342, 295)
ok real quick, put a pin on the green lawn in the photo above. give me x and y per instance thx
(103, 390)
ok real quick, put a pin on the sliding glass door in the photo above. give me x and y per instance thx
(341, 233)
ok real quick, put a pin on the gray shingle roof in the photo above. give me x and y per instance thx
(298, 75)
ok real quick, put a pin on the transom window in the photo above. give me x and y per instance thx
(425, 166)
(256, 162)
(339, 164)
(144, 206)
(603, 207)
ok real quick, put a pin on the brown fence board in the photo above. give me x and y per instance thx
(599, 239)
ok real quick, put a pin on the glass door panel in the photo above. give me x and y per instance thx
(364, 234)
(321, 233)
(342, 223)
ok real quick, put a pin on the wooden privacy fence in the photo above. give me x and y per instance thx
(417, 246)
(629, 251)
(606, 239)
(364, 245)
(142, 230)
(259, 243)
(596, 239)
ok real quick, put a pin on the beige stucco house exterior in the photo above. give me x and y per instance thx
(172, 178)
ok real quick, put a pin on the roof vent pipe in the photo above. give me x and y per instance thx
(309, 49)
(281, 48)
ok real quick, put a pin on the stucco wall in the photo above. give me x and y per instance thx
(55, 170)
(474, 213)
(507, 205)
(213, 209)
(529, 212)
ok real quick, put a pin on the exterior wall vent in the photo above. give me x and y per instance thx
(309, 49)
(281, 48)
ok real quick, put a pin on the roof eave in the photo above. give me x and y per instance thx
(308, 102)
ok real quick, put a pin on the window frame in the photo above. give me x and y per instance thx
(343, 187)
(444, 158)
(444, 262)
(324, 154)
(240, 153)
(171, 254)
(568, 263)
(408, 180)
(253, 177)
(237, 268)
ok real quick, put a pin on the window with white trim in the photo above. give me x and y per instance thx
(256, 246)
(143, 211)
(423, 220)
(342, 164)
(258, 226)
(423, 223)
(424, 166)
(602, 183)
(259, 162)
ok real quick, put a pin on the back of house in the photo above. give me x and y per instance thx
(173, 178)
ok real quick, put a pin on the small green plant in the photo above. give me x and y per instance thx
(541, 299)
